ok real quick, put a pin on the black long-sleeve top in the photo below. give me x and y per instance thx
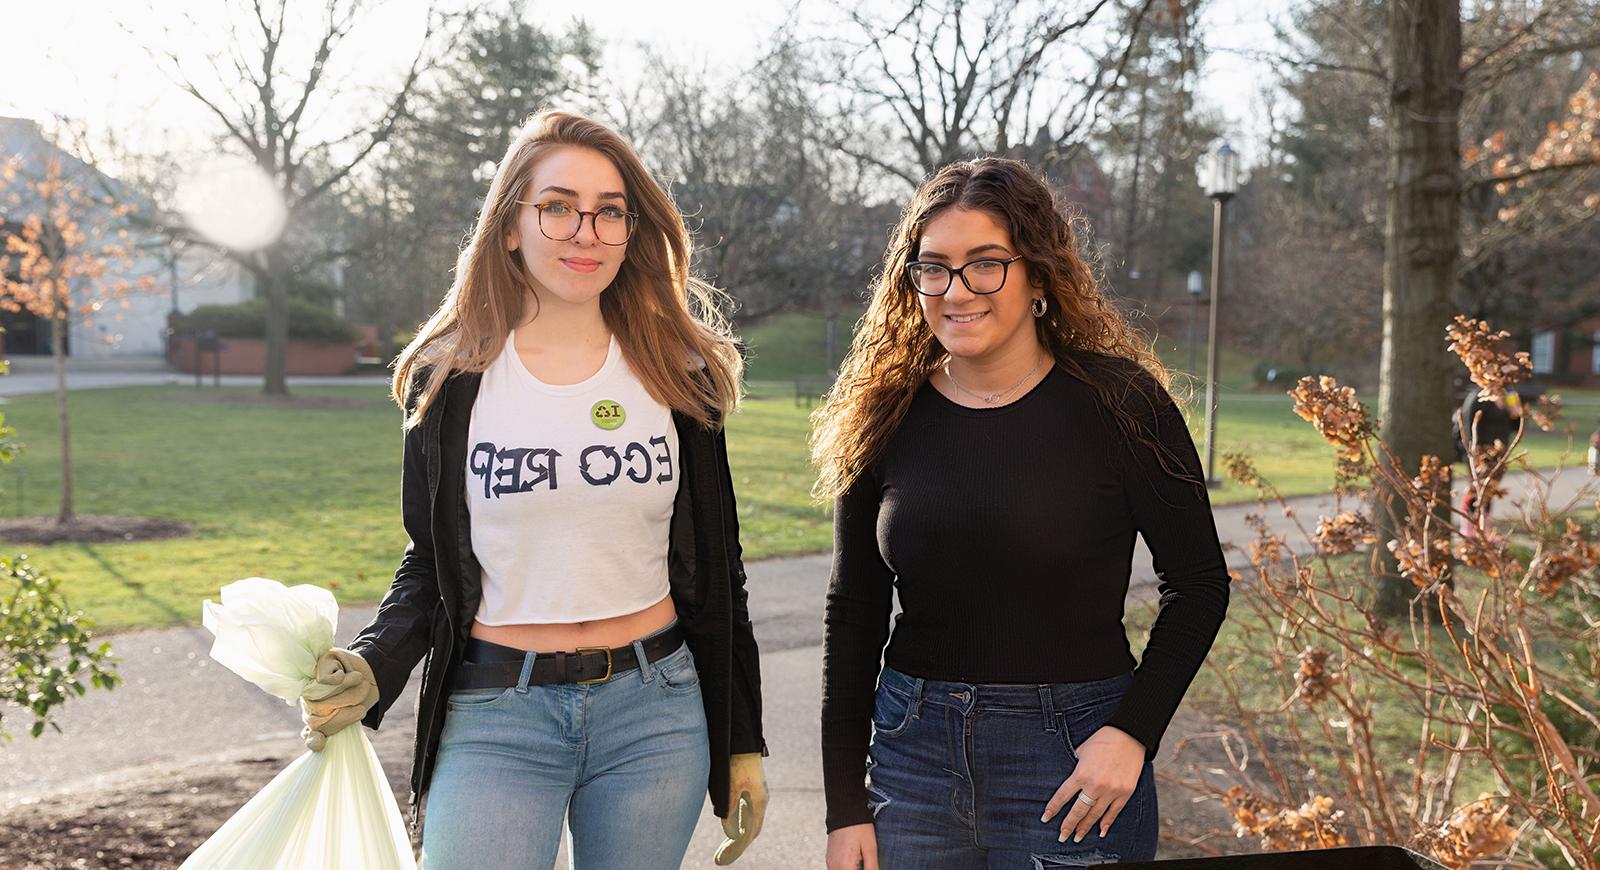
(1009, 534)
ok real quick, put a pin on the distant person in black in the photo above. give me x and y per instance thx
(1489, 424)
(1490, 420)
(996, 439)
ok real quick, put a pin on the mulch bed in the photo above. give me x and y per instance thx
(90, 529)
(153, 821)
(153, 816)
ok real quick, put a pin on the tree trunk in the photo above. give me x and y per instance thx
(1421, 247)
(276, 292)
(58, 349)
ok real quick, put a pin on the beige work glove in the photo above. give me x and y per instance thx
(747, 807)
(343, 693)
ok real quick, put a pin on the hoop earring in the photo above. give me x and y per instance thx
(1039, 306)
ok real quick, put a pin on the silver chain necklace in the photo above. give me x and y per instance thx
(992, 398)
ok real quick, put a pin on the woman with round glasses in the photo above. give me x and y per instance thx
(995, 440)
(574, 577)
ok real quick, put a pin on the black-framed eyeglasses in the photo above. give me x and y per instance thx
(982, 276)
(560, 222)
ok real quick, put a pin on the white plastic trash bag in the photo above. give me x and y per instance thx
(328, 809)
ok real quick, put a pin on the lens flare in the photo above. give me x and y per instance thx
(233, 203)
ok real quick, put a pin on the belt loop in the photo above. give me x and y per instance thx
(917, 686)
(647, 671)
(527, 672)
(1047, 704)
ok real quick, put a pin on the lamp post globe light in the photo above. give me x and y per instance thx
(1218, 174)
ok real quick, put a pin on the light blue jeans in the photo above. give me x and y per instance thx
(625, 761)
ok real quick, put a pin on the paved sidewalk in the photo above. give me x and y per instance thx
(30, 375)
(178, 704)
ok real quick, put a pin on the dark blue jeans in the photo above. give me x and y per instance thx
(960, 773)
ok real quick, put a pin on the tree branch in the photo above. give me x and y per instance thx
(385, 127)
(1280, 58)
(1507, 178)
(331, 35)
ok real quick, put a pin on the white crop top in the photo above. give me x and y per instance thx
(570, 489)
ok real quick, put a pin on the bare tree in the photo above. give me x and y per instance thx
(948, 79)
(271, 101)
(781, 219)
(1150, 140)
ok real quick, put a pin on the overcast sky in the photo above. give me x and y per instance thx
(84, 59)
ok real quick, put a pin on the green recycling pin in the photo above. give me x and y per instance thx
(607, 414)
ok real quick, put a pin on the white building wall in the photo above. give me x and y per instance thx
(140, 328)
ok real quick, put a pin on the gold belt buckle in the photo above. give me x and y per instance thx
(598, 649)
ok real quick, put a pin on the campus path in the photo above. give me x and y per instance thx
(31, 374)
(179, 705)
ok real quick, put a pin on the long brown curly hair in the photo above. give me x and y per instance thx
(667, 323)
(894, 351)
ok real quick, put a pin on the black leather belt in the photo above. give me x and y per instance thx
(490, 665)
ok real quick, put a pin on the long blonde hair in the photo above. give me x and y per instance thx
(666, 323)
(894, 351)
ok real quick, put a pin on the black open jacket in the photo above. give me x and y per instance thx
(429, 609)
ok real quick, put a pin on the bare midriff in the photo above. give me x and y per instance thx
(611, 632)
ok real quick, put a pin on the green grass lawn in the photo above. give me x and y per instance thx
(309, 492)
(794, 344)
(1290, 453)
(300, 494)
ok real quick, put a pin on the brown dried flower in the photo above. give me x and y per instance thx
(1241, 468)
(1573, 554)
(1351, 473)
(1424, 565)
(1488, 458)
(1267, 547)
(1487, 553)
(1493, 370)
(1432, 482)
(1314, 825)
(1546, 412)
(1474, 832)
(1312, 680)
(1335, 412)
(1343, 533)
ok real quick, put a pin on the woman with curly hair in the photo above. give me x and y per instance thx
(996, 438)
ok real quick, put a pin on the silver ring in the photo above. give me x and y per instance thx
(1086, 800)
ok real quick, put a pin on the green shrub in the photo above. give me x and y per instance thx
(46, 647)
(397, 343)
(307, 322)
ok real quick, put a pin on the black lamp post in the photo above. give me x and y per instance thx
(1218, 174)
